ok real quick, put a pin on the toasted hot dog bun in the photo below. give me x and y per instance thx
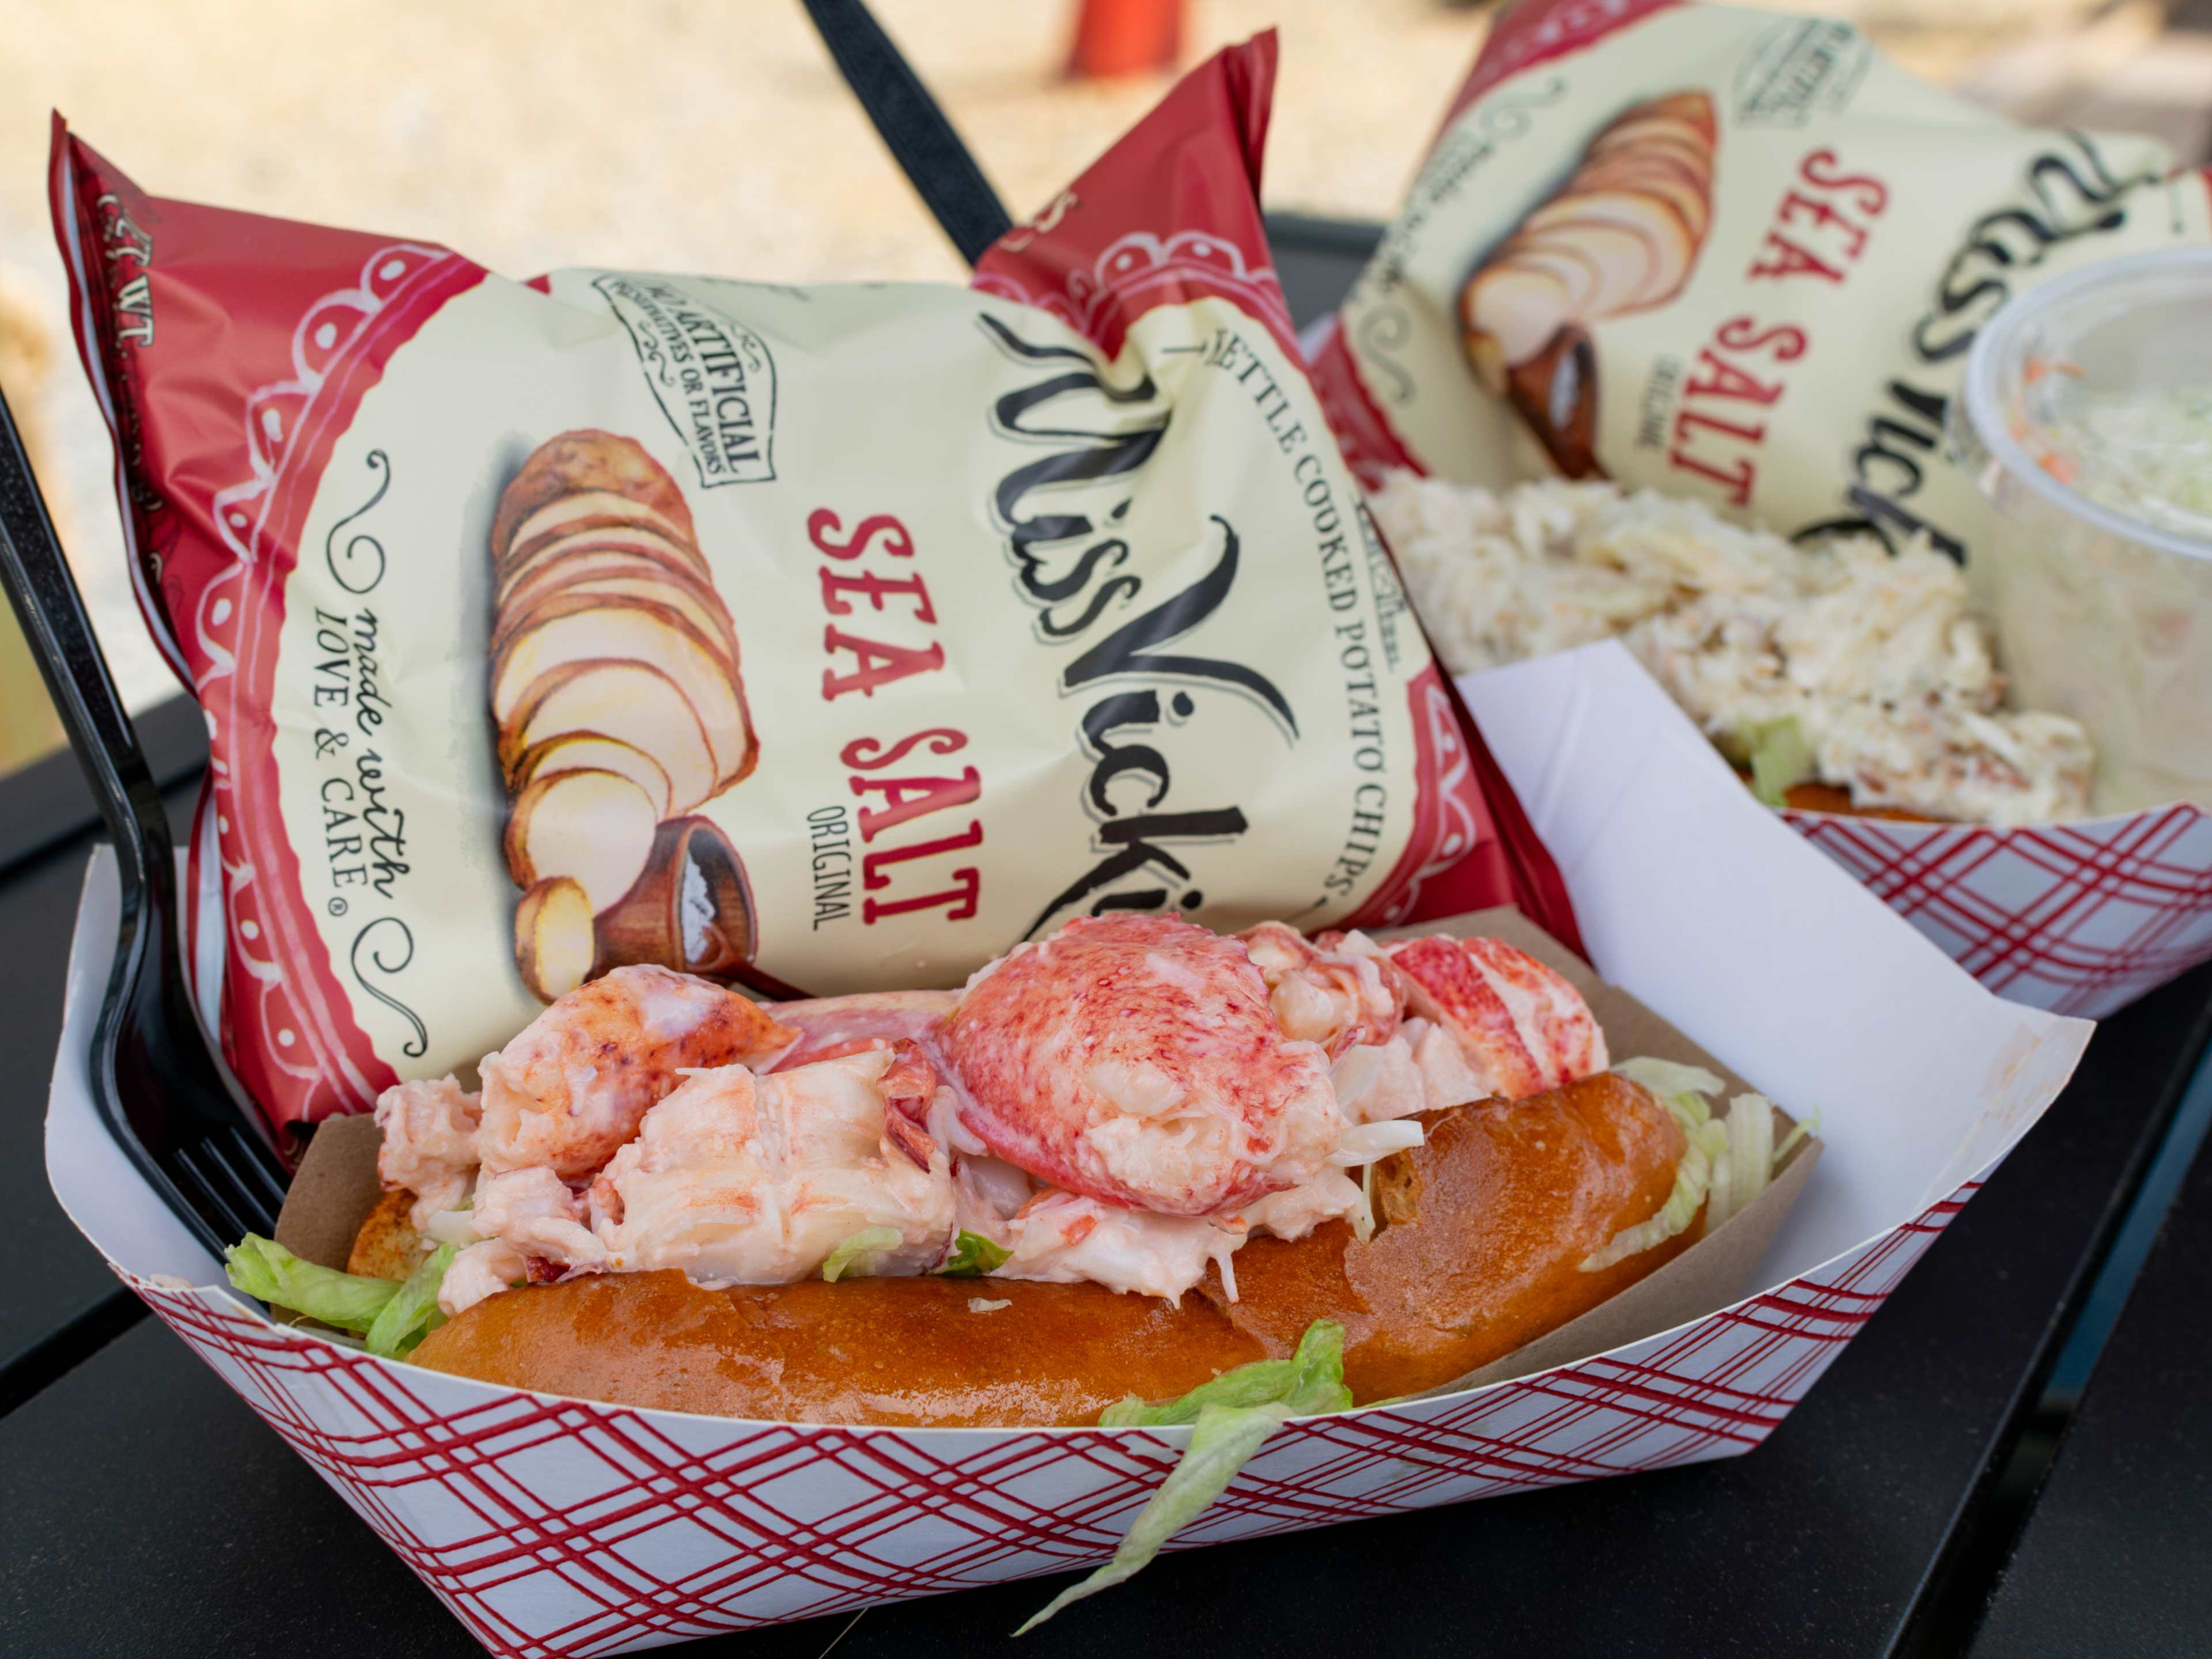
(387, 1246)
(1484, 1230)
(905, 1352)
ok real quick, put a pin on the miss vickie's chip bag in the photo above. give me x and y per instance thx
(835, 637)
(1722, 254)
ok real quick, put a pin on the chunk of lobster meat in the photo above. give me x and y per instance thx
(1377, 1081)
(429, 1130)
(1065, 1238)
(1135, 1060)
(573, 1086)
(1520, 1028)
(830, 1026)
(737, 1178)
(484, 1269)
(535, 1212)
(1338, 990)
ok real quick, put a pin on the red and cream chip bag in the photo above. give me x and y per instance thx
(1727, 254)
(833, 637)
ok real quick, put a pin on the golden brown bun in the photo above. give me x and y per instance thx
(1484, 1230)
(387, 1246)
(1483, 1233)
(896, 1351)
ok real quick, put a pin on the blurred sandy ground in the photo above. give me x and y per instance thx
(662, 136)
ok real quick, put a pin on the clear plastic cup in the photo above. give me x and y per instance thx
(2086, 419)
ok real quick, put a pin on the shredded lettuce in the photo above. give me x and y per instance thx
(412, 1313)
(1742, 1174)
(1232, 1416)
(973, 1256)
(1310, 1380)
(856, 1257)
(265, 1270)
(1670, 1077)
(1692, 1177)
(1780, 755)
(1728, 1162)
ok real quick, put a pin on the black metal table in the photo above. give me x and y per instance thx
(144, 1510)
(2112, 1559)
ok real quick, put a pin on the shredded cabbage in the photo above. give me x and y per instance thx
(264, 1269)
(1780, 755)
(856, 1257)
(1233, 1415)
(412, 1313)
(974, 1256)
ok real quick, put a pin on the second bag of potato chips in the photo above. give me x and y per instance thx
(1728, 254)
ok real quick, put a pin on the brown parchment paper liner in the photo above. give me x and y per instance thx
(335, 1187)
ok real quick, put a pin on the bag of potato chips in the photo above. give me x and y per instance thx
(833, 637)
(1728, 254)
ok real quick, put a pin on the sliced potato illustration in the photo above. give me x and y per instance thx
(579, 751)
(1668, 245)
(598, 531)
(594, 827)
(554, 947)
(653, 584)
(589, 463)
(1685, 117)
(568, 553)
(1654, 175)
(1518, 307)
(631, 630)
(631, 702)
(573, 626)
(593, 509)
(1620, 252)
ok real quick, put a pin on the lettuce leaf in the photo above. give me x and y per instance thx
(856, 1257)
(1780, 755)
(1670, 1077)
(1311, 1380)
(1744, 1173)
(1232, 1416)
(412, 1313)
(265, 1270)
(973, 1256)
(1223, 1441)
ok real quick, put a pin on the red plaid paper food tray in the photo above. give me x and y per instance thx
(559, 1527)
(2077, 918)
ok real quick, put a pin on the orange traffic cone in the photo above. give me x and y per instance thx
(1125, 37)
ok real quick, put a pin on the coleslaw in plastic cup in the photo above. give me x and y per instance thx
(2086, 418)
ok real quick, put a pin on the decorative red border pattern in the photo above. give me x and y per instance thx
(224, 395)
